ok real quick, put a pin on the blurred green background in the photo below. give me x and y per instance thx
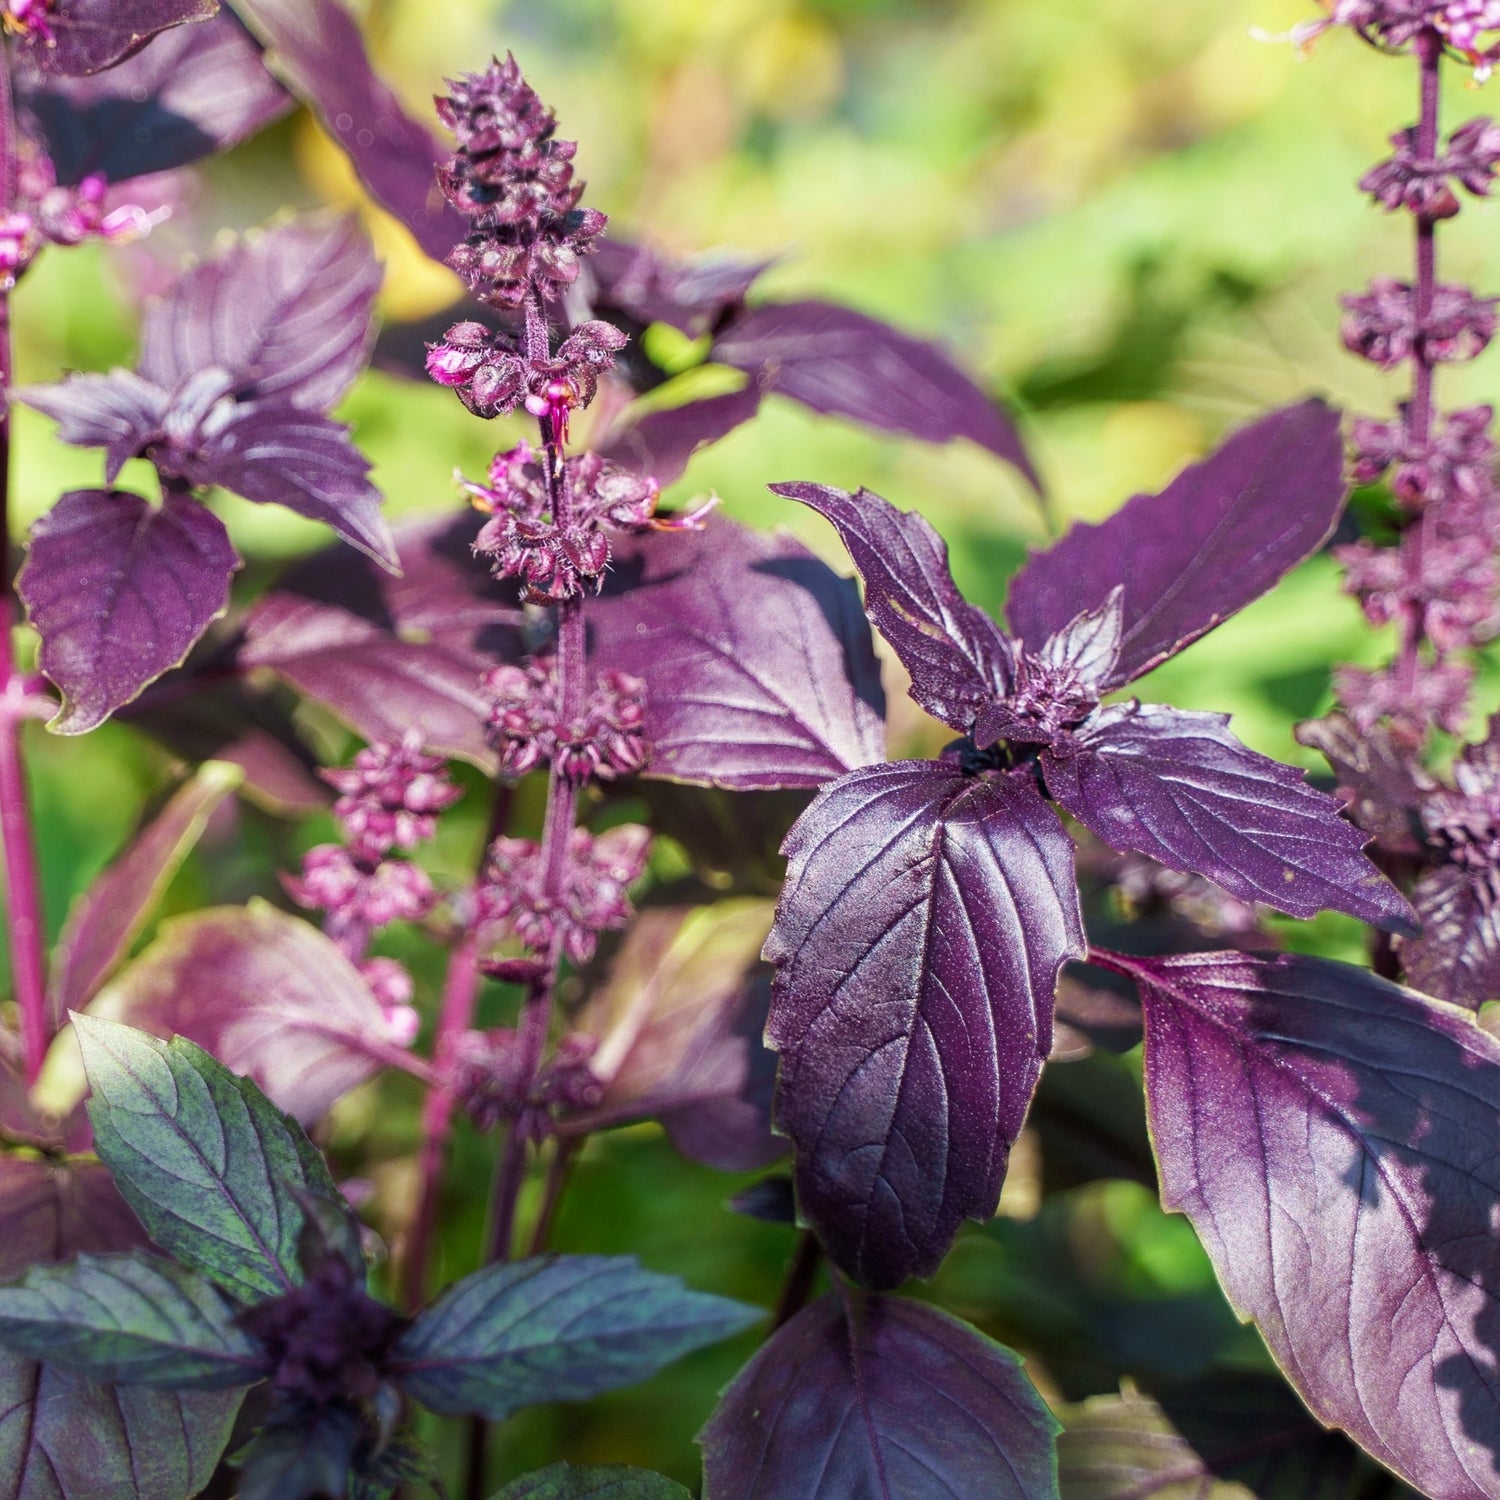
(1132, 221)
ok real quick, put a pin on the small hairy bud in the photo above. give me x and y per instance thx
(391, 796)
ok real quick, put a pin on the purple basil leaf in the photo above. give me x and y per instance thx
(1457, 955)
(1182, 789)
(1217, 538)
(275, 453)
(649, 287)
(266, 993)
(958, 658)
(110, 914)
(917, 943)
(119, 589)
(212, 1169)
(159, 1446)
(771, 1200)
(192, 91)
(760, 672)
(285, 312)
(387, 654)
(1227, 1438)
(91, 35)
(1383, 787)
(838, 361)
(1349, 1198)
(118, 412)
(603, 1482)
(316, 47)
(662, 443)
(888, 1400)
(555, 1328)
(131, 1319)
(679, 1023)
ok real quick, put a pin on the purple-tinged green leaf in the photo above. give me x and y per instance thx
(387, 654)
(881, 1400)
(1234, 1437)
(111, 913)
(265, 993)
(1456, 956)
(316, 48)
(1216, 539)
(1331, 1137)
(679, 1022)
(661, 444)
(840, 362)
(1383, 786)
(275, 453)
(958, 658)
(131, 1319)
(210, 1166)
(925, 916)
(91, 35)
(555, 1328)
(192, 91)
(118, 412)
(297, 1459)
(649, 287)
(119, 589)
(286, 312)
(1182, 789)
(59, 1431)
(601, 1482)
(759, 671)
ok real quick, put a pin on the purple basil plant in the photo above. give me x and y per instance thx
(869, 962)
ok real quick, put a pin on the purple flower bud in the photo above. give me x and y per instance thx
(1381, 324)
(391, 796)
(359, 895)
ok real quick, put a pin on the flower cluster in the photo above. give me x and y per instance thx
(492, 1079)
(512, 179)
(28, 18)
(389, 799)
(1382, 325)
(527, 727)
(513, 900)
(557, 546)
(1424, 184)
(1463, 25)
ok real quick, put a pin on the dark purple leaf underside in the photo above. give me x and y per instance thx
(192, 91)
(1180, 788)
(917, 944)
(883, 1400)
(387, 654)
(956, 655)
(59, 1432)
(90, 35)
(285, 312)
(108, 915)
(1331, 1137)
(1217, 538)
(317, 49)
(840, 362)
(662, 443)
(759, 669)
(119, 590)
(1457, 954)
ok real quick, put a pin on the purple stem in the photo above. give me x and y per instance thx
(23, 898)
(1429, 49)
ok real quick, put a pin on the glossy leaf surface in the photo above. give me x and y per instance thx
(957, 656)
(888, 1400)
(917, 944)
(89, 35)
(555, 1328)
(109, 915)
(1182, 789)
(760, 671)
(132, 1319)
(209, 1165)
(119, 590)
(835, 360)
(193, 91)
(594, 1482)
(266, 993)
(1219, 536)
(1349, 1198)
(286, 312)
